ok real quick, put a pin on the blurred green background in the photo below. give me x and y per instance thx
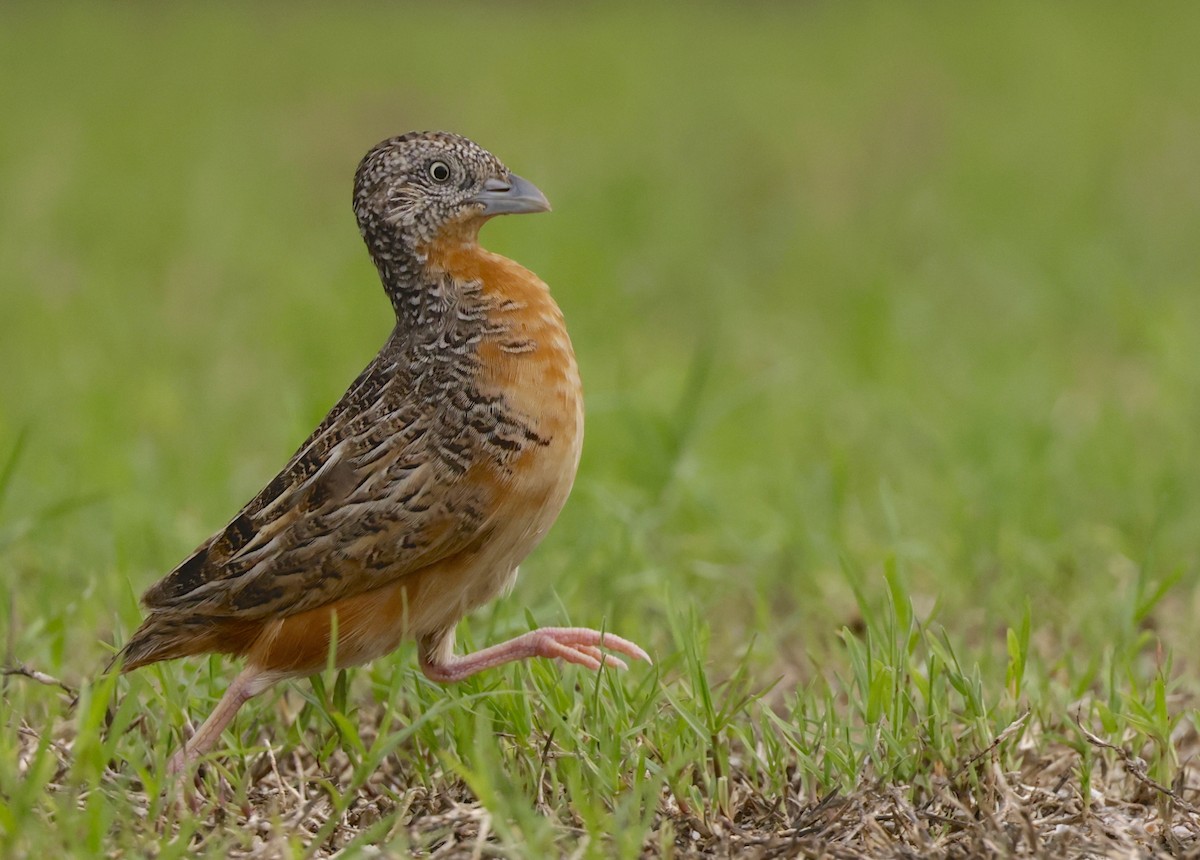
(846, 281)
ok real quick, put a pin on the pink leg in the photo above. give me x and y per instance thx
(245, 686)
(573, 644)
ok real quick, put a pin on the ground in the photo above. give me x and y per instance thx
(887, 325)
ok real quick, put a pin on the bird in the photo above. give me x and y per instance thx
(438, 471)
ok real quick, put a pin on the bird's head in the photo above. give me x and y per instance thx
(423, 186)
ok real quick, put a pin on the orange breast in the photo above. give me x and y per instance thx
(528, 357)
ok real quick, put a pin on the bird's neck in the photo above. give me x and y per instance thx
(444, 281)
(498, 280)
(427, 282)
(420, 300)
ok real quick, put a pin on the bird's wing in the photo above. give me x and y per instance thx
(368, 498)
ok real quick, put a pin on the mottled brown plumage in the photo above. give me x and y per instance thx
(437, 472)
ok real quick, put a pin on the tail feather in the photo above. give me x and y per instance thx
(166, 637)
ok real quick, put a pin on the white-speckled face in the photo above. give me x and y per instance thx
(418, 182)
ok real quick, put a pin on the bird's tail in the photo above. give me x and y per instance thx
(163, 637)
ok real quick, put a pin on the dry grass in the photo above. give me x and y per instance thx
(1039, 808)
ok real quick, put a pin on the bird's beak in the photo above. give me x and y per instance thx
(511, 196)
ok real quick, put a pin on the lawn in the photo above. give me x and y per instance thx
(888, 322)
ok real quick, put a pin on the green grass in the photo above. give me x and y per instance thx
(888, 325)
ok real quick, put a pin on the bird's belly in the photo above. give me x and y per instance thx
(530, 491)
(542, 387)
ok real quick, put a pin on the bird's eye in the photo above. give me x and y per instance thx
(439, 172)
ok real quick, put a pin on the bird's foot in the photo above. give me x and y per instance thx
(577, 645)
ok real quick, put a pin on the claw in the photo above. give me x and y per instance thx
(602, 658)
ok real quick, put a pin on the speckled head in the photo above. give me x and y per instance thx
(413, 187)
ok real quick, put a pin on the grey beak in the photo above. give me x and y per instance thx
(511, 196)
